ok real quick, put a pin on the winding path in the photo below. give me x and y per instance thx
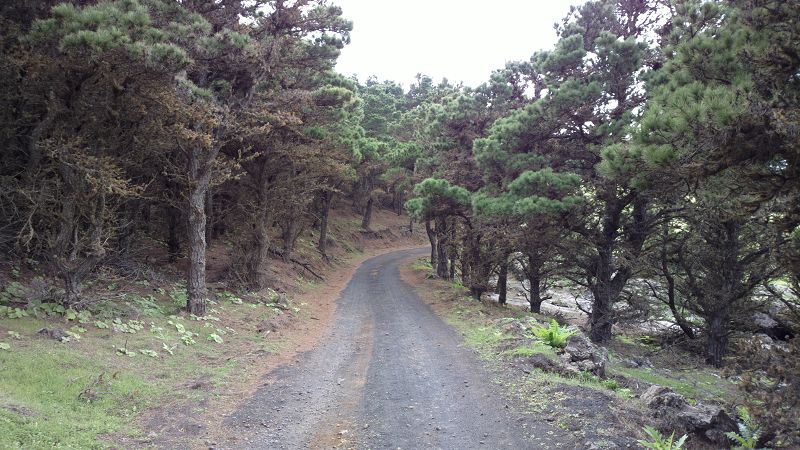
(389, 374)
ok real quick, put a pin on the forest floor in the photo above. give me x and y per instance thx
(133, 371)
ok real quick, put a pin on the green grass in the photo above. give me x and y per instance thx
(693, 384)
(528, 350)
(484, 337)
(67, 395)
(62, 402)
(423, 264)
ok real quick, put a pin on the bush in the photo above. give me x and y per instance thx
(553, 335)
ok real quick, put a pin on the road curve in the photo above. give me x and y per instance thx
(388, 374)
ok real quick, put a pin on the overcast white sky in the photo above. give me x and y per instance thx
(462, 40)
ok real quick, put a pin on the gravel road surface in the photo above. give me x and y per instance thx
(389, 374)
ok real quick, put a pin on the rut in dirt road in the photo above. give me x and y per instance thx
(389, 374)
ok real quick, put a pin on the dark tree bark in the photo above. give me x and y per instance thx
(291, 230)
(717, 340)
(605, 279)
(72, 259)
(327, 198)
(259, 260)
(442, 269)
(533, 271)
(671, 293)
(173, 238)
(367, 218)
(502, 282)
(432, 239)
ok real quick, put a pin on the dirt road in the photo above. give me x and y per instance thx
(389, 374)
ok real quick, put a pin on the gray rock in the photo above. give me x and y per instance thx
(514, 326)
(581, 355)
(763, 340)
(656, 397)
(637, 362)
(710, 422)
(763, 321)
(55, 333)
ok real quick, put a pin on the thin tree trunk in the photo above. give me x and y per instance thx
(327, 196)
(259, 262)
(534, 274)
(679, 320)
(602, 317)
(432, 239)
(452, 249)
(290, 233)
(365, 221)
(502, 282)
(199, 178)
(441, 249)
(173, 239)
(476, 292)
(717, 339)
(535, 294)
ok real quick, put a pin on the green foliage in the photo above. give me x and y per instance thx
(188, 338)
(659, 442)
(179, 295)
(553, 335)
(13, 313)
(131, 327)
(437, 197)
(12, 292)
(749, 431)
(148, 352)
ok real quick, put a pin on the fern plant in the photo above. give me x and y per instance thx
(659, 442)
(749, 431)
(554, 335)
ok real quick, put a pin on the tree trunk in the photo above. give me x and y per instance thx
(452, 249)
(327, 196)
(476, 292)
(442, 270)
(717, 339)
(605, 280)
(534, 274)
(367, 215)
(259, 265)
(173, 239)
(502, 282)
(535, 295)
(209, 216)
(290, 233)
(432, 240)
(259, 261)
(679, 319)
(199, 178)
(72, 287)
